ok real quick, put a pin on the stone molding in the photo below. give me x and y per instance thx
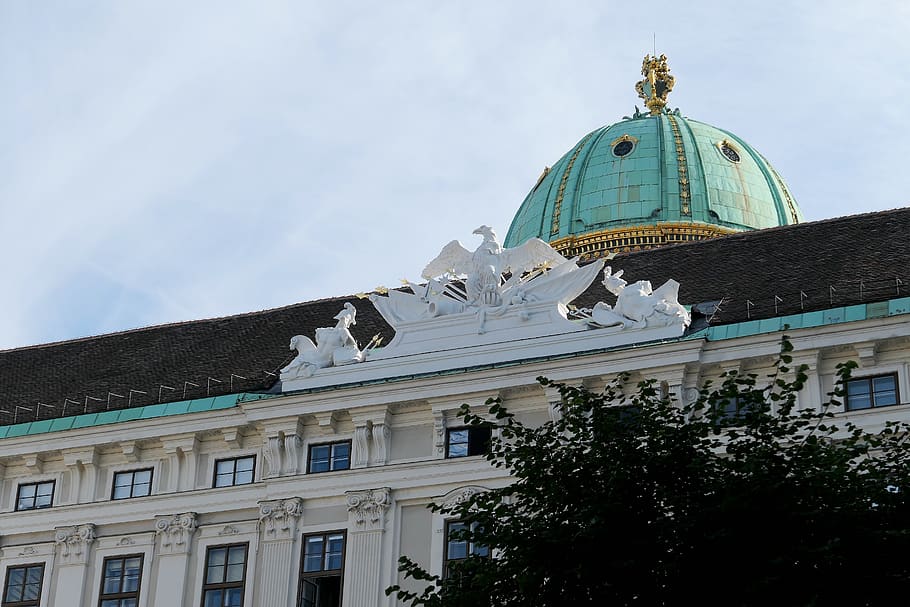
(366, 509)
(176, 532)
(279, 518)
(75, 543)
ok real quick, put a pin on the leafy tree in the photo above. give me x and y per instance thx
(736, 499)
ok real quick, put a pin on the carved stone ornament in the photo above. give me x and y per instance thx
(463, 494)
(367, 509)
(335, 346)
(460, 281)
(638, 306)
(279, 518)
(75, 543)
(176, 532)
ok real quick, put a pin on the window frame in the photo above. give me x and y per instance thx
(470, 549)
(870, 381)
(36, 484)
(322, 573)
(119, 596)
(24, 603)
(132, 485)
(331, 445)
(234, 459)
(483, 447)
(206, 586)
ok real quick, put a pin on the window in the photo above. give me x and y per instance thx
(120, 584)
(23, 586)
(234, 471)
(462, 442)
(330, 456)
(459, 549)
(225, 575)
(135, 483)
(35, 495)
(320, 570)
(869, 392)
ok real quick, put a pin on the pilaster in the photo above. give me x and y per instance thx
(278, 521)
(74, 545)
(175, 544)
(366, 523)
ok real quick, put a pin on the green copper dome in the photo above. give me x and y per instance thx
(650, 180)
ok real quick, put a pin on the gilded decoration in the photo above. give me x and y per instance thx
(562, 184)
(657, 83)
(683, 168)
(624, 137)
(598, 244)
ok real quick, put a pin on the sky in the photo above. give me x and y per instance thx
(168, 161)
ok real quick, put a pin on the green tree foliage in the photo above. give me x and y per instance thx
(737, 499)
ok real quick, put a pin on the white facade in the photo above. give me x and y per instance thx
(397, 428)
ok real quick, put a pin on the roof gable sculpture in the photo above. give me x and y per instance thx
(492, 303)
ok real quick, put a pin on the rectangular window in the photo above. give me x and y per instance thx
(869, 392)
(22, 587)
(120, 584)
(225, 576)
(462, 442)
(135, 483)
(458, 548)
(329, 457)
(234, 471)
(35, 495)
(321, 567)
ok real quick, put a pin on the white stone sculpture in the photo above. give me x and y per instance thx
(335, 346)
(638, 306)
(496, 281)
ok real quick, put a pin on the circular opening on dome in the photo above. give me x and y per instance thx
(731, 154)
(623, 148)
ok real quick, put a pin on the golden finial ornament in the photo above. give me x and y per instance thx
(657, 83)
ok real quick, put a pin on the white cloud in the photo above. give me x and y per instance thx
(172, 161)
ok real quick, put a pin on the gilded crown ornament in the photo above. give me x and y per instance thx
(657, 83)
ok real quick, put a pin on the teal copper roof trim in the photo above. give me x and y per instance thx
(198, 405)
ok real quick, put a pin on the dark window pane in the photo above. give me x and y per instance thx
(458, 436)
(245, 464)
(212, 598)
(233, 597)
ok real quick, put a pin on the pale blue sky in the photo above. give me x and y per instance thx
(165, 161)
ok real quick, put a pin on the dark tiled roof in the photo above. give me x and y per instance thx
(857, 259)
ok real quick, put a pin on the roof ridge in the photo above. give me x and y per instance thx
(177, 323)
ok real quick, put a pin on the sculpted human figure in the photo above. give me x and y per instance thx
(334, 346)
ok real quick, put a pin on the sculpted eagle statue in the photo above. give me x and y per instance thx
(484, 267)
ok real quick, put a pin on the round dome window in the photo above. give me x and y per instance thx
(623, 148)
(727, 150)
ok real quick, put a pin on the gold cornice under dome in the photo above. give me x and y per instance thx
(634, 238)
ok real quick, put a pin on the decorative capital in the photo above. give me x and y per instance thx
(367, 509)
(175, 532)
(279, 518)
(657, 83)
(75, 543)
